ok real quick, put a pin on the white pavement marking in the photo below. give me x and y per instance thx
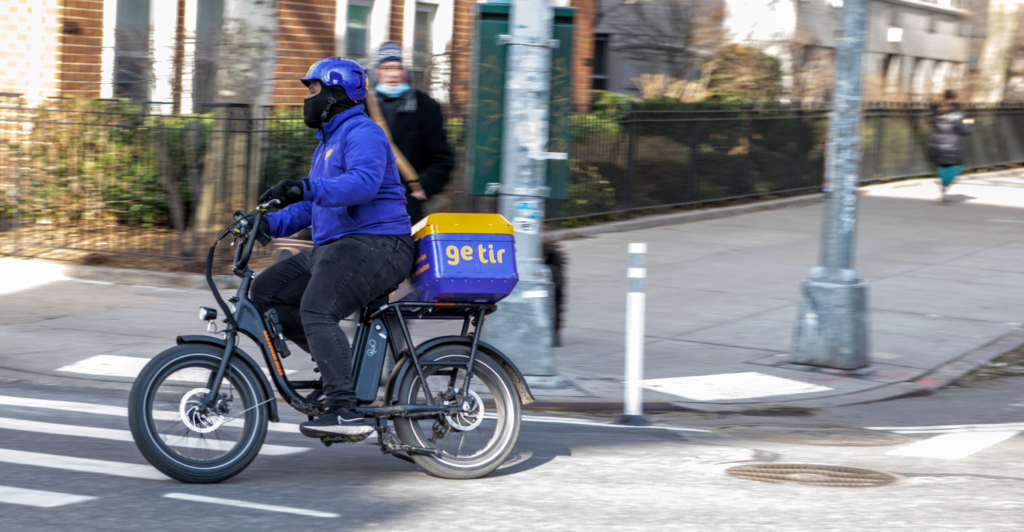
(728, 386)
(85, 465)
(17, 274)
(124, 435)
(943, 429)
(954, 446)
(571, 421)
(91, 408)
(68, 406)
(251, 505)
(38, 498)
(118, 366)
(108, 365)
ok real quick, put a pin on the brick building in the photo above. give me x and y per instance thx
(178, 53)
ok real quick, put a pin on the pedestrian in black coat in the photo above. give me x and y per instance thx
(945, 148)
(417, 129)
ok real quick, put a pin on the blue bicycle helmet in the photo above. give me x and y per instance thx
(339, 71)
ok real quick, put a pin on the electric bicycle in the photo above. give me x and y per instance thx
(199, 411)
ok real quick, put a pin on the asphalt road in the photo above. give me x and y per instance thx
(567, 473)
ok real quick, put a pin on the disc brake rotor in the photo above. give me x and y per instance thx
(472, 414)
(193, 418)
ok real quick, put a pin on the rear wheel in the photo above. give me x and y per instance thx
(479, 439)
(181, 439)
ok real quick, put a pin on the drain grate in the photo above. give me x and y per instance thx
(814, 475)
(804, 435)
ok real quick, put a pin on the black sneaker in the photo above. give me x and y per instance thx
(345, 423)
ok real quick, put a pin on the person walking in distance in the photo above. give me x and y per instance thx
(416, 127)
(948, 124)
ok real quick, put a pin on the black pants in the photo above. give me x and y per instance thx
(314, 290)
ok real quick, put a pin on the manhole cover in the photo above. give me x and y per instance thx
(814, 475)
(825, 436)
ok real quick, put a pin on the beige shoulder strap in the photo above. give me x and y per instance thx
(408, 172)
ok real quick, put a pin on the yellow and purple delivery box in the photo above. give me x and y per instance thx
(461, 257)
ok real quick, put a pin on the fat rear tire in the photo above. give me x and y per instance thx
(507, 407)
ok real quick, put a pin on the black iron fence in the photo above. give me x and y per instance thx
(636, 157)
(115, 177)
(643, 156)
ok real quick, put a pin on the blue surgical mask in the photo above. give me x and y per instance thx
(392, 91)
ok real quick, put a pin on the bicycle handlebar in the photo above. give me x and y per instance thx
(248, 240)
(241, 256)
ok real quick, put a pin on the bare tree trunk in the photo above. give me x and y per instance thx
(195, 181)
(1003, 21)
(244, 81)
(170, 181)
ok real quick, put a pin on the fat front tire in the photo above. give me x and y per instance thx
(468, 446)
(179, 439)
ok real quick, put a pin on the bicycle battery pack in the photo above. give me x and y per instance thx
(369, 366)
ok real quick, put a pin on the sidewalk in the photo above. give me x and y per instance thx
(946, 286)
(722, 296)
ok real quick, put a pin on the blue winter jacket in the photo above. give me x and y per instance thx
(353, 185)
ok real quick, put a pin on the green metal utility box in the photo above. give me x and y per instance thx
(488, 99)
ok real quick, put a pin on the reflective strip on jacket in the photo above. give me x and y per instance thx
(353, 185)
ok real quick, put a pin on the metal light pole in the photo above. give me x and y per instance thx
(832, 330)
(523, 326)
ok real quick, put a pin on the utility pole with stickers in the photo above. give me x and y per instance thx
(519, 61)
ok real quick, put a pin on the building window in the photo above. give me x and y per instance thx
(357, 30)
(131, 50)
(600, 75)
(422, 43)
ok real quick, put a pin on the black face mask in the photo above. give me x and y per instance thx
(313, 109)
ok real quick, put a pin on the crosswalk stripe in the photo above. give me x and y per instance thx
(91, 408)
(942, 429)
(84, 465)
(124, 435)
(68, 406)
(573, 421)
(954, 446)
(38, 498)
(251, 505)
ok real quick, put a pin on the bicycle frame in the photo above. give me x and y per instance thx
(380, 317)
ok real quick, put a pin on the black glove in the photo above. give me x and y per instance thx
(263, 232)
(287, 191)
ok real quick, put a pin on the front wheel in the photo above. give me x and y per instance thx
(474, 442)
(181, 439)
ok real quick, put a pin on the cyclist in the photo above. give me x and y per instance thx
(354, 201)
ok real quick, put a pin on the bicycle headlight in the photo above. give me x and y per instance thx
(207, 314)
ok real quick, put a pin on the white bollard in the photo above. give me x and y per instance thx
(633, 405)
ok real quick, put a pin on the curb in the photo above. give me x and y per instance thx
(966, 363)
(683, 217)
(124, 276)
(928, 383)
